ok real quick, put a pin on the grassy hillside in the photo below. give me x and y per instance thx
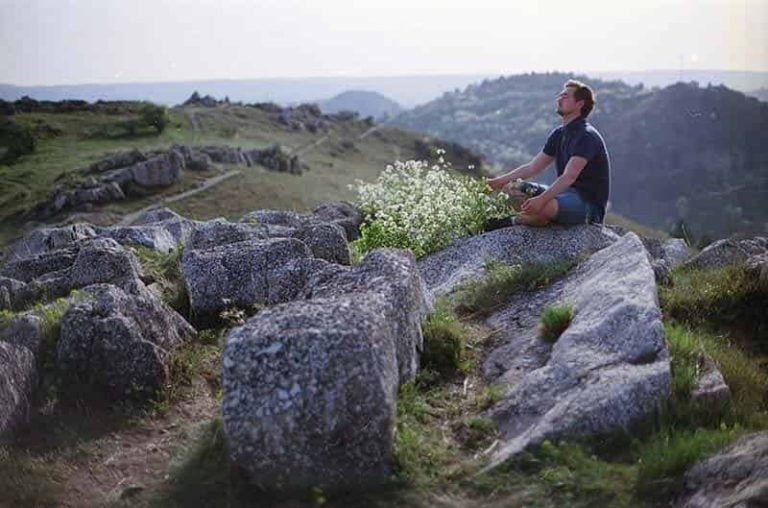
(347, 150)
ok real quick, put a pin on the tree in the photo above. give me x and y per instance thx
(155, 116)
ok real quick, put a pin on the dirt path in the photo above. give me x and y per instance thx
(133, 463)
(207, 184)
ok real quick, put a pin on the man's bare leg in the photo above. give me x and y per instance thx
(516, 198)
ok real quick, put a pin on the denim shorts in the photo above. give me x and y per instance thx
(573, 209)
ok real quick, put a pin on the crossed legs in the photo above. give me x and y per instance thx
(547, 215)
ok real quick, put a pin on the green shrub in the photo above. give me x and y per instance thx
(444, 341)
(502, 281)
(728, 297)
(15, 140)
(554, 321)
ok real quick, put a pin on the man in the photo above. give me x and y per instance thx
(580, 192)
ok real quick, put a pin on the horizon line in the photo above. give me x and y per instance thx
(375, 76)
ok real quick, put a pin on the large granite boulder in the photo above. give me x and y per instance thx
(607, 371)
(18, 378)
(244, 274)
(118, 342)
(394, 275)
(734, 478)
(464, 258)
(309, 393)
(310, 385)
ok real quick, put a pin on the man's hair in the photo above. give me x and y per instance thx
(582, 93)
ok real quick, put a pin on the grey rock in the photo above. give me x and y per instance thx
(159, 171)
(711, 389)
(154, 236)
(737, 477)
(119, 343)
(729, 252)
(118, 160)
(309, 393)
(661, 272)
(758, 266)
(246, 273)
(326, 240)
(44, 240)
(342, 213)
(607, 371)
(464, 258)
(220, 232)
(24, 330)
(157, 215)
(394, 275)
(56, 273)
(675, 251)
(18, 378)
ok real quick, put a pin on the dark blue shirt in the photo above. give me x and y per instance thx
(580, 138)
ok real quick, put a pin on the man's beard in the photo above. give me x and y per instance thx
(560, 112)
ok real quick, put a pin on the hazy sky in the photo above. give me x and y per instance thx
(45, 42)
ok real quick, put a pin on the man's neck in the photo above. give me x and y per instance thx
(568, 119)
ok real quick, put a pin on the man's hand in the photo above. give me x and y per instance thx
(533, 206)
(495, 183)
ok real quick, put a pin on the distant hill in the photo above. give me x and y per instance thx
(681, 152)
(366, 103)
(406, 90)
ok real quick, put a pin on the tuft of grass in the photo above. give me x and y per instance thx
(501, 281)
(165, 270)
(554, 321)
(444, 341)
(664, 458)
(422, 455)
(742, 373)
(581, 479)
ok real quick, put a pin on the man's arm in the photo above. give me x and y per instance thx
(533, 168)
(572, 171)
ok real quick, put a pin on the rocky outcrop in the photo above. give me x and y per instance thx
(245, 274)
(310, 386)
(56, 273)
(729, 252)
(18, 378)
(673, 251)
(608, 370)
(464, 258)
(342, 213)
(735, 477)
(119, 342)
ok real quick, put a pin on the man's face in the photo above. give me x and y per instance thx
(566, 103)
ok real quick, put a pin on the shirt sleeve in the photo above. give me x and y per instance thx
(550, 147)
(585, 146)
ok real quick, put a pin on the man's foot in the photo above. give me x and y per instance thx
(504, 222)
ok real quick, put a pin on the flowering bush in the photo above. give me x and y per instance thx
(421, 208)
